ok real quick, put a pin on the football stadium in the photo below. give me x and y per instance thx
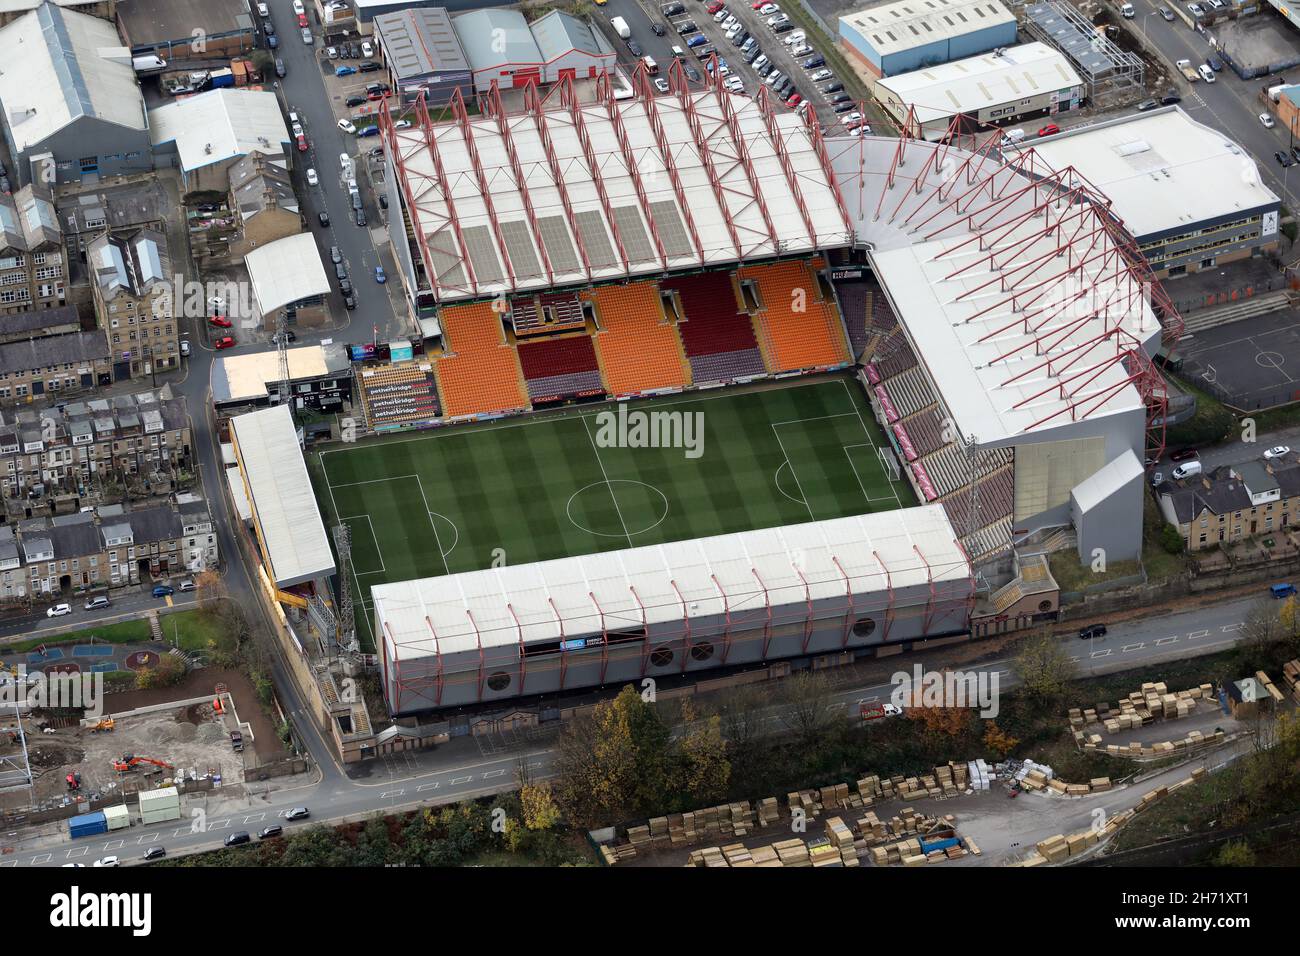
(719, 392)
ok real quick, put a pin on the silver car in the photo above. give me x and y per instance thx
(306, 36)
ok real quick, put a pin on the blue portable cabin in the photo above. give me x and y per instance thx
(87, 824)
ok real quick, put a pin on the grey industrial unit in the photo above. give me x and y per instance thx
(422, 53)
(908, 35)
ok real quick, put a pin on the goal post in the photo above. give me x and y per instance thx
(889, 462)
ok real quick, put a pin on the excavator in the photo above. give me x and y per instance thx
(104, 725)
(131, 761)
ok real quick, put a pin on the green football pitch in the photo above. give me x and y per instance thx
(468, 497)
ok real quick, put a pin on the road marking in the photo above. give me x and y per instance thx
(494, 773)
(115, 845)
(42, 858)
(1173, 640)
(459, 780)
(1074, 660)
(391, 793)
(255, 818)
(78, 852)
(426, 786)
(1105, 653)
(8, 862)
(1195, 634)
(1132, 647)
(1234, 627)
(181, 831)
(147, 838)
(219, 825)
(531, 766)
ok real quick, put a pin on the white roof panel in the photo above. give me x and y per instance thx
(285, 271)
(660, 583)
(219, 125)
(896, 27)
(284, 507)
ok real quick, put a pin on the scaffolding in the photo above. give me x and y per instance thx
(1104, 67)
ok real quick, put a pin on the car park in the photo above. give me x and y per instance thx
(768, 9)
(59, 610)
(312, 178)
(835, 87)
(1266, 121)
(822, 75)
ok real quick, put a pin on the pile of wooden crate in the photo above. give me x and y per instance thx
(1269, 688)
(785, 853)
(1291, 679)
(1195, 740)
(693, 826)
(1152, 702)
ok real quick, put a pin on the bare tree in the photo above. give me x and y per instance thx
(742, 711)
(1044, 666)
(803, 704)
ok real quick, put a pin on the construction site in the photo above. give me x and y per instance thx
(72, 763)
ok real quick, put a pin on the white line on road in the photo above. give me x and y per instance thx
(1194, 635)
(494, 773)
(8, 862)
(391, 793)
(79, 851)
(1105, 653)
(42, 858)
(1170, 640)
(459, 780)
(255, 818)
(426, 786)
(1132, 647)
(1234, 627)
(114, 845)
(219, 825)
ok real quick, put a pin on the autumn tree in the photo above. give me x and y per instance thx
(803, 705)
(705, 770)
(997, 740)
(743, 711)
(1235, 853)
(1044, 666)
(941, 721)
(539, 809)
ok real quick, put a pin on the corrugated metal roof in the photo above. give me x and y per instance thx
(558, 32)
(219, 125)
(420, 42)
(285, 271)
(493, 37)
(896, 27)
(284, 507)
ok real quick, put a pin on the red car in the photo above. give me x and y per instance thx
(794, 100)
(377, 95)
(225, 342)
(1049, 129)
(758, 3)
(221, 322)
(302, 142)
(302, 20)
(715, 6)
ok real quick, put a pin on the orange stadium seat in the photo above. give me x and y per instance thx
(482, 375)
(798, 340)
(639, 350)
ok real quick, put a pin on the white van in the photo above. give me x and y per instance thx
(1127, 12)
(1186, 470)
(149, 64)
(679, 53)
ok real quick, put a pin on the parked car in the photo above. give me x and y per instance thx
(672, 9)
(783, 26)
(687, 27)
(1264, 118)
(1196, 10)
(1185, 454)
(306, 36)
(835, 87)
(801, 49)
(1167, 14)
(59, 610)
(154, 853)
(1214, 63)
(813, 62)
(822, 75)
(838, 98)
(371, 130)
(279, 67)
(1050, 129)
(794, 100)
(844, 107)
(225, 342)
(1284, 159)
(346, 125)
(658, 28)
(345, 285)
(760, 61)
(220, 322)
(272, 41)
(301, 140)
(634, 48)
(335, 254)
(107, 861)
(312, 178)
(340, 270)
(692, 74)
(698, 40)
(324, 219)
(344, 70)
(796, 37)
(359, 218)
(1147, 105)
(271, 831)
(1170, 98)
(302, 20)
(187, 585)
(369, 66)
(185, 348)
(1092, 630)
(1277, 451)
(97, 603)
(349, 302)
(236, 839)
(163, 590)
(297, 813)
(352, 101)
(379, 275)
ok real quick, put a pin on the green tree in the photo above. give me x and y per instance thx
(1044, 667)
(539, 809)
(1170, 539)
(1235, 853)
(705, 769)
(374, 846)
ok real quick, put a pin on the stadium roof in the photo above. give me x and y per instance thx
(284, 507)
(286, 270)
(896, 27)
(567, 194)
(218, 125)
(1023, 299)
(244, 378)
(420, 42)
(979, 82)
(1163, 171)
(62, 67)
(749, 570)
(1103, 484)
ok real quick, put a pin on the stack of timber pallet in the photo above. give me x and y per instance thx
(1291, 679)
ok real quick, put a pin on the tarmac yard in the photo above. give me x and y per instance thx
(192, 739)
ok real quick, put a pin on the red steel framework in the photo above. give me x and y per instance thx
(569, 98)
(493, 106)
(536, 106)
(485, 187)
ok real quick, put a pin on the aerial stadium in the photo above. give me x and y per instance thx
(914, 363)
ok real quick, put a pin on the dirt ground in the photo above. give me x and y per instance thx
(193, 739)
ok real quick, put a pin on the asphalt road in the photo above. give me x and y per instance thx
(125, 606)
(305, 94)
(461, 769)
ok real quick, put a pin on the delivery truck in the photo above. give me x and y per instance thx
(1185, 67)
(620, 27)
